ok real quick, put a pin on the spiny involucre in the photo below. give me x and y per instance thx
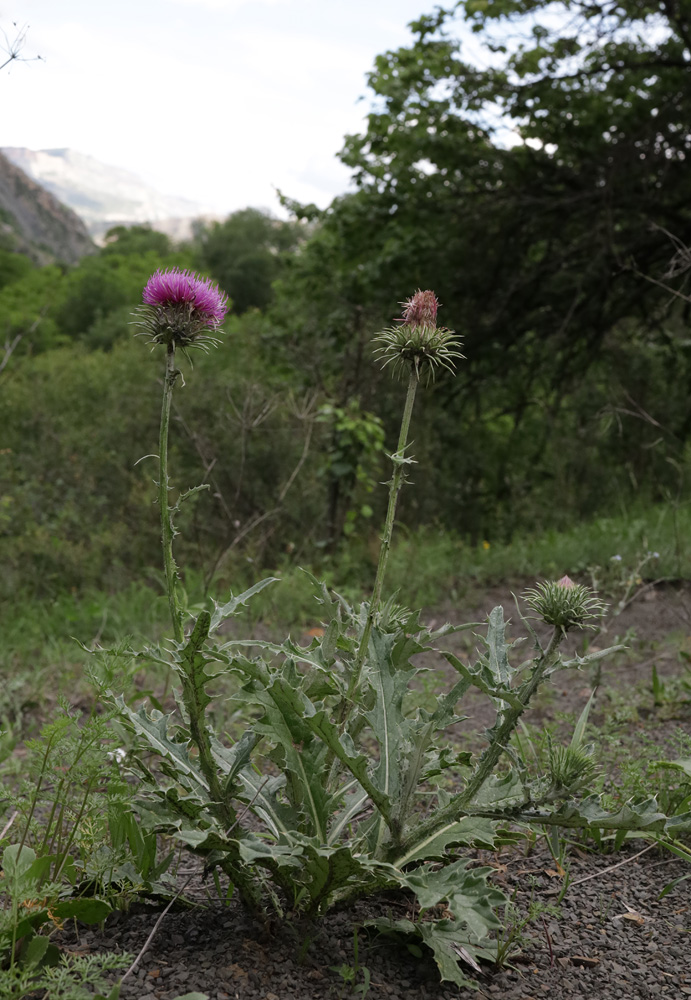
(181, 308)
(417, 344)
(565, 604)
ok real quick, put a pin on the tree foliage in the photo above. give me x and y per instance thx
(531, 187)
(245, 255)
(525, 192)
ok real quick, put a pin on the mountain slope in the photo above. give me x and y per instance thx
(34, 222)
(103, 196)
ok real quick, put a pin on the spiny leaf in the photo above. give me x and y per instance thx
(579, 729)
(154, 730)
(354, 804)
(312, 655)
(254, 850)
(632, 815)
(280, 817)
(328, 870)
(388, 673)
(444, 939)
(285, 721)
(231, 760)
(422, 757)
(342, 748)
(193, 663)
(500, 790)
(470, 830)
(496, 644)
(680, 764)
(578, 662)
(224, 611)
(473, 676)
(465, 890)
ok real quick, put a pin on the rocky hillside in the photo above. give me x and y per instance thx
(104, 196)
(34, 222)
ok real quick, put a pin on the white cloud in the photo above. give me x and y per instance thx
(219, 101)
(226, 5)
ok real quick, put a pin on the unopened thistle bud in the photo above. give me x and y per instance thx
(417, 344)
(421, 310)
(572, 768)
(181, 308)
(565, 604)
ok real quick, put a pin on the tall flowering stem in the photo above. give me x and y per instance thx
(397, 480)
(416, 347)
(180, 309)
(167, 528)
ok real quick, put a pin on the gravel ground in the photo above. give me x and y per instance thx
(611, 937)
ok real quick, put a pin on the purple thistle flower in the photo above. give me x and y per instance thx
(175, 287)
(181, 308)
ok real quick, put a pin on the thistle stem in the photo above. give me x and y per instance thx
(167, 529)
(461, 804)
(490, 757)
(394, 489)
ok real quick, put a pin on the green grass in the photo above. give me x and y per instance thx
(431, 566)
(41, 658)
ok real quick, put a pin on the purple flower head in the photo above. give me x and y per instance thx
(420, 309)
(417, 344)
(181, 308)
(183, 288)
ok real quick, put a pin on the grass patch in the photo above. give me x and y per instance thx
(40, 654)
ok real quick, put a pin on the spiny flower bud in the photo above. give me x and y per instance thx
(571, 768)
(565, 604)
(421, 309)
(418, 344)
(182, 308)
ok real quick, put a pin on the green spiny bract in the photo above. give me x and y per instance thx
(565, 604)
(418, 344)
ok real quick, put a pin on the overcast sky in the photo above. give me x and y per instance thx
(220, 101)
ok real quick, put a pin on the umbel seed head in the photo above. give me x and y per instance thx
(181, 308)
(417, 344)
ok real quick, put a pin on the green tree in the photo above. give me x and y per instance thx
(13, 266)
(539, 234)
(245, 254)
(25, 309)
(127, 240)
(531, 195)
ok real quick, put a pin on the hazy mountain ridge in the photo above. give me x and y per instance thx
(33, 221)
(104, 196)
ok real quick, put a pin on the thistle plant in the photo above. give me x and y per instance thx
(180, 310)
(415, 347)
(338, 789)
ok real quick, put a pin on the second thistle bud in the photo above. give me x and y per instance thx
(565, 604)
(417, 344)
